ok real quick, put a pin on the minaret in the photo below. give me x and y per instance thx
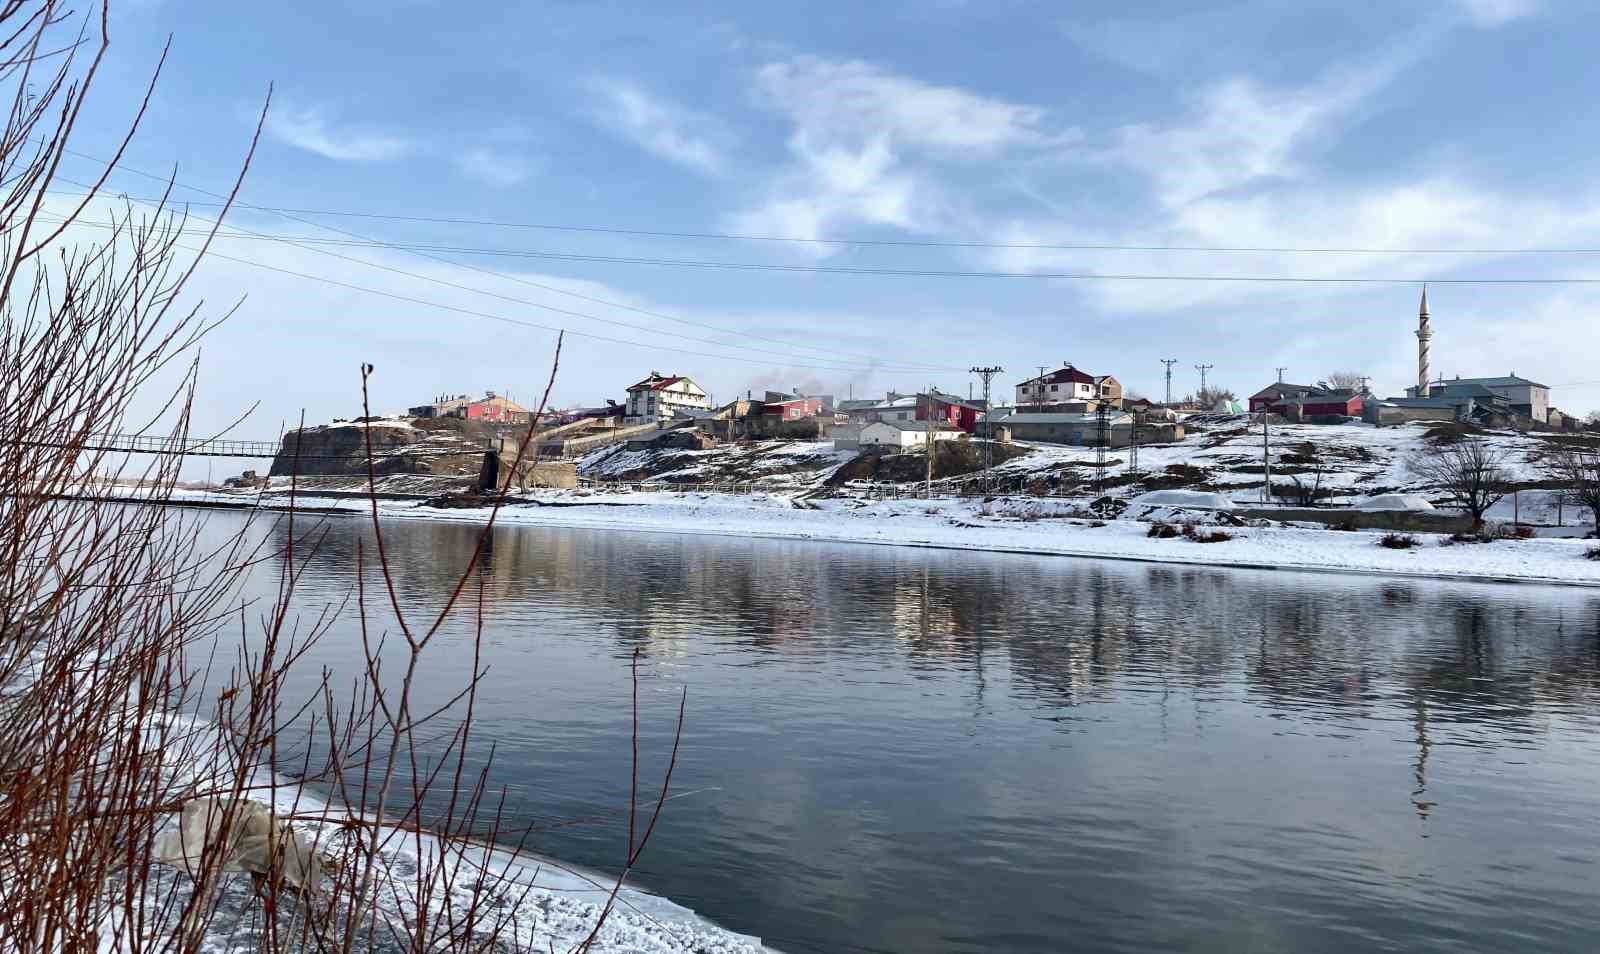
(1424, 336)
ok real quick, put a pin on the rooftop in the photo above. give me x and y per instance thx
(1061, 376)
(1507, 381)
(1047, 418)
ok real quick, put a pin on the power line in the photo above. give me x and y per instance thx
(359, 239)
(503, 318)
(890, 243)
(522, 301)
(863, 270)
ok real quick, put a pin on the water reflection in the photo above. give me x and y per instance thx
(953, 751)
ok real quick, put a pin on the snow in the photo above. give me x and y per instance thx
(549, 905)
(1410, 502)
(1195, 499)
(396, 424)
(1033, 526)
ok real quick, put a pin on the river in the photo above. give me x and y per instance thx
(916, 750)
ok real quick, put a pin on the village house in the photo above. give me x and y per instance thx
(490, 409)
(950, 409)
(1078, 430)
(900, 435)
(1109, 390)
(440, 406)
(1276, 392)
(662, 397)
(1301, 402)
(895, 407)
(792, 408)
(1061, 386)
(1528, 399)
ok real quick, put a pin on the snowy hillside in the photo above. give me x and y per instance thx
(1348, 462)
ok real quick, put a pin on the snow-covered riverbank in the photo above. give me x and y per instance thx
(1023, 525)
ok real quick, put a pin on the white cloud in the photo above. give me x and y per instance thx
(493, 167)
(1240, 132)
(1493, 13)
(857, 101)
(868, 147)
(662, 128)
(308, 129)
(1440, 213)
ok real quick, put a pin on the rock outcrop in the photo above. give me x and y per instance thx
(442, 447)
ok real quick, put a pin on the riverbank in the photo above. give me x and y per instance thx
(1042, 527)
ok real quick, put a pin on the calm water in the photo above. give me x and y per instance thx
(913, 750)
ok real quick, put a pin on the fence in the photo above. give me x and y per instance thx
(871, 489)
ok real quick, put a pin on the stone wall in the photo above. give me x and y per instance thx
(1423, 521)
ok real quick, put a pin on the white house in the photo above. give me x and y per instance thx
(661, 397)
(1062, 386)
(903, 435)
(897, 408)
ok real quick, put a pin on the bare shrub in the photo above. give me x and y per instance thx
(1593, 553)
(1194, 532)
(1162, 531)
(109, 614)
(1399, 541)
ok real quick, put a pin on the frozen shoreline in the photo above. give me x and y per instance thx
(1028, 526)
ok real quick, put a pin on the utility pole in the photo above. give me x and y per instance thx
(1169, 362)
(1266, 458)
(1103, 427)
(1133, 446)
(1203, 368)
(928, 487)
(1038, 388)
(988, 420)
(1280, 374)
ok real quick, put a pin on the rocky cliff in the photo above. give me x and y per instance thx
(442, 447)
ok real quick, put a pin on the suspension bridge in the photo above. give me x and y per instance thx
(176, 446)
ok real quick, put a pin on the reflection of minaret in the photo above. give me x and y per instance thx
(1424, 335)
(1420, 770)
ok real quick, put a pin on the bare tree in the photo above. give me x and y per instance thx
(1210, 396)
(1470, 472)
(115, 730)
(1349, 380)
(1578, 469)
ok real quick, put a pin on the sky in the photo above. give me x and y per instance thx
(993, 139)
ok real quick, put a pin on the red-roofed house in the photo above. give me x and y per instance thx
(949, 409)
(1062, 386)
(793, 409)
(660, 397)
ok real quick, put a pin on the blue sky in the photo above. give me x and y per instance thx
(1447, 124)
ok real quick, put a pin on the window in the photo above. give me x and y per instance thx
(1055, 387)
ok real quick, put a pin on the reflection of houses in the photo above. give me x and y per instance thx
(662, 397)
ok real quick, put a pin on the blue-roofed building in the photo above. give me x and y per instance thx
(1525, 398)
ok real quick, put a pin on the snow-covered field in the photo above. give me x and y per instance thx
(1037, 526)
